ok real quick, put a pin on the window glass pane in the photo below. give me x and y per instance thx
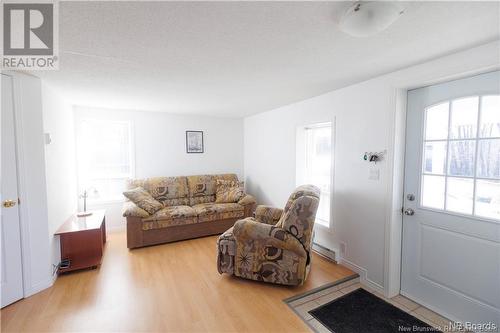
(105, 148)
(104, 157)
(318, 167)
(433, 191)
(318, 164)
(106, 189)
(323, 214)
(459, 195)
(464, 118)
(435, 157)
(490, 116)
(461, 158)
(436, 122)
(488, 199)
(488, 159)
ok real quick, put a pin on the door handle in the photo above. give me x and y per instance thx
(9, 203)
(409, 211)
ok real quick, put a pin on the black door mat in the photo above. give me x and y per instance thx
(361, 311)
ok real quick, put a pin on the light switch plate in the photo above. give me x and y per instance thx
(47, 138)
(374, 174)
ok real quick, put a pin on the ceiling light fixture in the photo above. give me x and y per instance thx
(368, 18)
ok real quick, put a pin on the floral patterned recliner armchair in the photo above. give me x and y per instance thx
(275, 245)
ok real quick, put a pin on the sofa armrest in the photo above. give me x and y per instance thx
(268, 214)
(256, 234)
(247, 200)
(130, 209)
(249, 203)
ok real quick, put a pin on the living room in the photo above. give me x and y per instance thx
(251, 166)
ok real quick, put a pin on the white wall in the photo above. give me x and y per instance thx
(160, 146)
(58, 121)
(366, 117)
(37, 273)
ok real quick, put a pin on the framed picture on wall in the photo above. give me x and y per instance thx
(194, 142)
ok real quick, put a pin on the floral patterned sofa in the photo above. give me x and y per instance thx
(274, 246)
(189, 210)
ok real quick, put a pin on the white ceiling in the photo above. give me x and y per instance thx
(241, 58)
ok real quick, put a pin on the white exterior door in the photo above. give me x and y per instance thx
(11, 265)
(451, 226)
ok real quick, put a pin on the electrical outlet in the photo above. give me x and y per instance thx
(343, 248)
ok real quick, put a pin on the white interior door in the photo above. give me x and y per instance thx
(11, 265)
(451, 226)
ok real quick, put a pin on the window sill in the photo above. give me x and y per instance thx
(105, 202)
(322, 226)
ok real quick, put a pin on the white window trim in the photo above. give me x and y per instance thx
(102, 201)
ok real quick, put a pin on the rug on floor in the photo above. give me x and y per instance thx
(361, 311)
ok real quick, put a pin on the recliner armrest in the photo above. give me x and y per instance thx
(130, 209)
(248, 231)
(248, 202)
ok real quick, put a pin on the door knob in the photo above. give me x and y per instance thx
(409, 211)
(9, 203)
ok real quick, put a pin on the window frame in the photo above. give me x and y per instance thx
(78, 130)
(446, 175)
(302, 157)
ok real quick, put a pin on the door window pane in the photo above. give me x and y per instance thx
(461, 169)
(433, 191)
(435, 157)
(459, 193)
(464, 118)
(490, 117)
(488, 159)
(488, 198)
(436, 122)
(461, 160)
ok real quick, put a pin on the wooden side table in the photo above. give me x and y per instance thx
(82, 241)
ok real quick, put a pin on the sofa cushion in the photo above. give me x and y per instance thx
(202, 187)
(170, 216)
(229, 191)
(143, 200)
(171, 191)
(218, 211)
(175, 212)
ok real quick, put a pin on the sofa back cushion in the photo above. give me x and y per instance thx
(170, 191)
(202, 187)
(229, 191)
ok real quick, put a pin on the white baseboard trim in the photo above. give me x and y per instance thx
(42, 285)
(363, 279)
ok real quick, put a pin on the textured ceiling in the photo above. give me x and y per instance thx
(241, 58)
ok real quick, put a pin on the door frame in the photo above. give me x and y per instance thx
(394, 224)
(24, 212)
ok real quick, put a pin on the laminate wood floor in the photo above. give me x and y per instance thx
(172, 287)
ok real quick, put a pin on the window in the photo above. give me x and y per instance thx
(461, 162)
(104, 158)
(314, 164)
